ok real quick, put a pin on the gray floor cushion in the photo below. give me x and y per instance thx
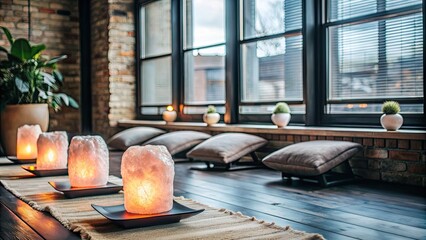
(132, 136)
(226, 147)
(311, 158)
(179, 141)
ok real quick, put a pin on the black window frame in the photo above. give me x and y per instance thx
(314, 58)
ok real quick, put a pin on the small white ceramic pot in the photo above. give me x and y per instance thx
(169, 116)
(211, 118)
(391, 122)
(281, 119)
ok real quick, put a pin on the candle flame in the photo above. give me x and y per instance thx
(169, 108)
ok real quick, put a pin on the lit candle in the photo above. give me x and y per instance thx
(26, 144)
(169, 115)
(52, 150)
(147, 173)
(88, 161)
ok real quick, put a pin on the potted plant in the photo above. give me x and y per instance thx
(28, 84)
(211, 116)
(281, 114)
(391, 120)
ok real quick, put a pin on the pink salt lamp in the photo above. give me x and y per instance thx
(52, 150)
(26, 145)
(88, 162)
(147, 173)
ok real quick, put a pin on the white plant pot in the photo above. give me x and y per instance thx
(281, 119)
(211, 118)
(169, 116)
(391, 122)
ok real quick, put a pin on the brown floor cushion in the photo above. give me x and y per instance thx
(132, 136)
(226, 147)
(179, 141)
(311, 158)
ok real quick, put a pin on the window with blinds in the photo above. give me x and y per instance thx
(375, 53)
(155, 58)
(271, 55)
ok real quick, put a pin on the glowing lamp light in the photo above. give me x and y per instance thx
(52, 150)
(88, 162)
(169, 115)
(147, 173)
(26, 145)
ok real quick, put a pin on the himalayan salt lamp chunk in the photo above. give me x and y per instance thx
(88, 161)
(52, 150)
(148, 173)
(26, 147)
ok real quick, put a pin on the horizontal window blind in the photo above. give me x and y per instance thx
(375, 59)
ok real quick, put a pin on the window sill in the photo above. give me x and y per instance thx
(271, 129)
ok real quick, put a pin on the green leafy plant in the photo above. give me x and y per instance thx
(391, 107)
(26, 77)
(211, 109)
(281, 107)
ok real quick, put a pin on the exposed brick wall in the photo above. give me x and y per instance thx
(56, 24)
(113, 64)
(100, 72)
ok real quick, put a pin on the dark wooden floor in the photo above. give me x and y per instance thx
(364, 210)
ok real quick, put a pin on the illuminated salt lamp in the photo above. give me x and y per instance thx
(26, 144)
(147, 173)
(52, 150)
(169, 115)
(88, 162)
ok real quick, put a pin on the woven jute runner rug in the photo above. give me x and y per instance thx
(77, 215)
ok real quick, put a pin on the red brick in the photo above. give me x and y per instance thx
(374, 164)
(404, 155)
(379, 142)
(283, 137)
(297, 138)
(47, 10)
(338, 138)
(391, 143)
(290, 138)
(349, 139)
(404, 144)
(357, 140)
(376, 153)
(416, 145)
(321, 137)
(330, 138)
(367, 142)
(393, 166)
(417, 168)
(305, 138)
(312, 138)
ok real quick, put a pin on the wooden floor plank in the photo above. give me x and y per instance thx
(352, 211)
(293, 215)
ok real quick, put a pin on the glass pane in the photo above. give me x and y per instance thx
(201, 109)
(205, 76)
(344, 9)
(156, 28)
(392, 4)
(157, 81)
(272, 70)
(268, 109)
(370, 108)
(268, 17)
(205, 22)
(382, 59)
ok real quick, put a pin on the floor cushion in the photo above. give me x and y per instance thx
(132, 136)
(226, 147)
(179, 141)
(311, 158)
